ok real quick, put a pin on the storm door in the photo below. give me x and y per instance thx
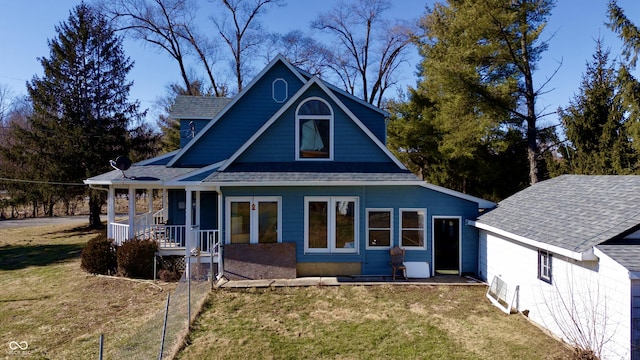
(446, 245)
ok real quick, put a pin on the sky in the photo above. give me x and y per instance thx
(25, 27)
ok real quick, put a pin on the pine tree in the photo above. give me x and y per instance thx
(595, 123)
(81, 116)
(479, 59)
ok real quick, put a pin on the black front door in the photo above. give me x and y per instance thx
(446, 243)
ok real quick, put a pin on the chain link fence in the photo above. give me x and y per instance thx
(154, 340)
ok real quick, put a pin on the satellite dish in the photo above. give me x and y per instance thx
(122, 163)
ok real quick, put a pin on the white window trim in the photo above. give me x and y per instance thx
(367, 229)
(273, 90)
(253, 227)
(331, 225)
(541, 254)
(314, 117)
(424, 230)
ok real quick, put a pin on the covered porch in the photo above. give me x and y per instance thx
(168, 225)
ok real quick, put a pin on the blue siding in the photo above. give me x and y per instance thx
(208, 210)
(175, 214)
(185, 129)
(240, 122)
(374, 262)
(371, 118)
(277, 144)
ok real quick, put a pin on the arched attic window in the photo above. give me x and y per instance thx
(314, 130)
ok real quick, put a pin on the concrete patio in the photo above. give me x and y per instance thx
(347, 280)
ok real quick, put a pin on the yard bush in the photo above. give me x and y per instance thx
(99, 256)
(136, 258)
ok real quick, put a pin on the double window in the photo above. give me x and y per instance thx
(331, 224)
(314, 130)
(253, 220)
(544, 266)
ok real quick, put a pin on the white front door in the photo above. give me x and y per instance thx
(253, 220)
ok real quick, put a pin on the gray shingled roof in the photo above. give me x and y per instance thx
(625, 255)
(197, 107)
(142, 173)
(574, 212)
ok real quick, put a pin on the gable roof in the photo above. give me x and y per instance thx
(197, 107)
(296, 97)
(344, 93)
(276, 60)
(570, 212)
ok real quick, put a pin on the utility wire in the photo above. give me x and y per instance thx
(43, 182)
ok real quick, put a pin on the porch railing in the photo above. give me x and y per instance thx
(120, 232)
(168, 236)
(206, 239)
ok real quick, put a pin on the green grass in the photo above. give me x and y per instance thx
(58, 309)
(358, 322)
(49, 302)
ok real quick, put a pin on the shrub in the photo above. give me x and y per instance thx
(136, 258)
(99, 256)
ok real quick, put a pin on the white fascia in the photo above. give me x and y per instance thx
(580, 256)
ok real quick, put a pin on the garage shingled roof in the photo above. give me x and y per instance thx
(574, 212)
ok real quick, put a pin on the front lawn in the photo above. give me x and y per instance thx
(364, 322)
(49, 304)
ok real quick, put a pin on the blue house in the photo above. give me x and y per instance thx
(292, 171)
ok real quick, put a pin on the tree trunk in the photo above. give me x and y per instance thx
(95, 206)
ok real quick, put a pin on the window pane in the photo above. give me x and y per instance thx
(314, 107)
(240, 222)
(314, 138)
(345, 224)
(380, 238)
(268, 222)
(412, 238)
(379, 220)
(412, 220)
(318, 225)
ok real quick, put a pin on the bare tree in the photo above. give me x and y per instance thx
(580, 310)
(169, 25)
(5, 102)
(301, 51)
(242, 31)
(364, 37)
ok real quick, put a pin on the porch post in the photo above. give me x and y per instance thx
(149, 200)
(165, 204)
(220, 237)
(197, 222)
(111, 210)
(188, 223)
(132, 212)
